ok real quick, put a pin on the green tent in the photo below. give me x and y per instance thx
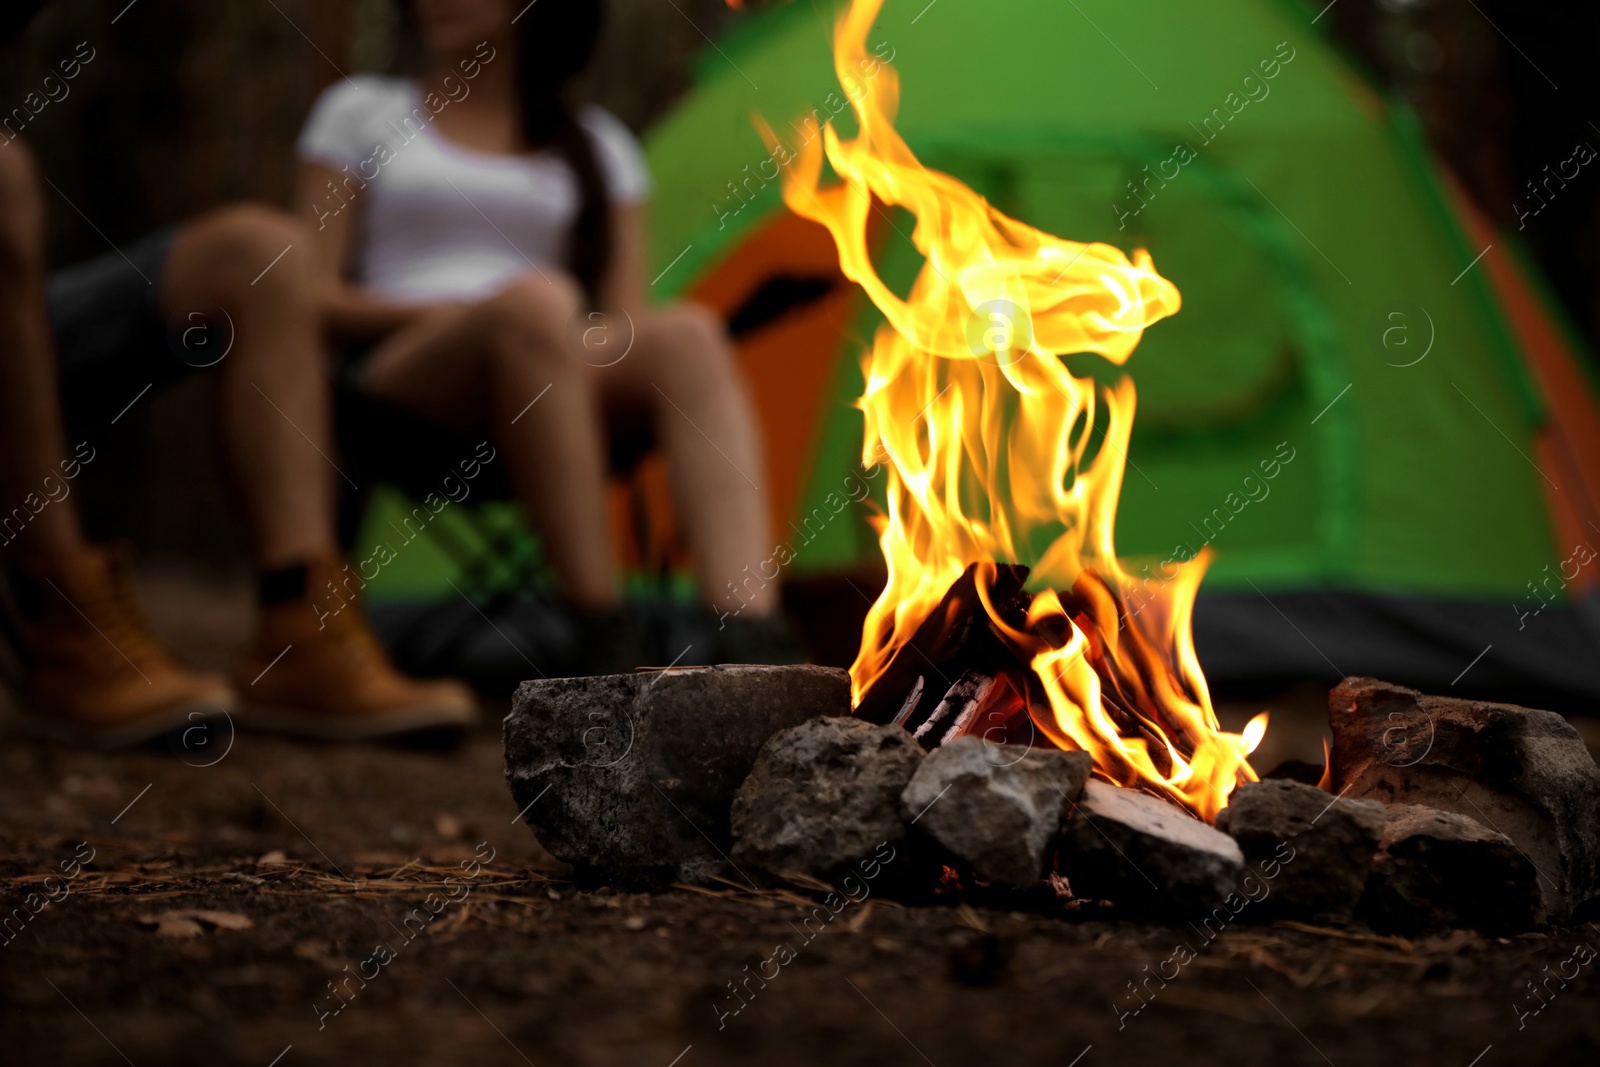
(1341, 327)
(1373, 420)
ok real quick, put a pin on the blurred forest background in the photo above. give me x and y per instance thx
(192, 103)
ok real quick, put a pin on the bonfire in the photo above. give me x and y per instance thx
(1006, 612)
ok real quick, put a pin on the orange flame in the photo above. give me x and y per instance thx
(987, 440)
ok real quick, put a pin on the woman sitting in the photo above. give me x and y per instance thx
(486, 239)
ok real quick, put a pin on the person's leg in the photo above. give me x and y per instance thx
(683, 365)
(272, 388)
(96, 672)
(314, 667)
(478, 369)
(32, 441)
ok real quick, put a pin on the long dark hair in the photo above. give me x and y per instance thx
(556, 39)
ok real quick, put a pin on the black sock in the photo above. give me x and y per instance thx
(282, 585)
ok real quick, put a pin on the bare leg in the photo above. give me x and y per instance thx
(278, 351)
(478, 369)
(683, 365)
(32, 441)
(311, 669)
(273, 415)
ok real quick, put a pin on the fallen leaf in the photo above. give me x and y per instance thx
(173, 924)
(188, 922)
(273, 858)
(319, 951)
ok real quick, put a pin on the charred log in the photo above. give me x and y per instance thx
(956, 636)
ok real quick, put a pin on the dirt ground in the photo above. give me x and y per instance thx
(230, 885)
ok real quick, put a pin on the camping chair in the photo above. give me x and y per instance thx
(383, 444)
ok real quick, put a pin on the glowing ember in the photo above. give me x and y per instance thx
(987, 438)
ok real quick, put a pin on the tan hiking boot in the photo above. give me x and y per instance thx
(317, 670)
(97, 674)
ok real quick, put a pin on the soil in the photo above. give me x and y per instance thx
(231, 884)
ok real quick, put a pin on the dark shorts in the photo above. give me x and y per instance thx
(112, 342)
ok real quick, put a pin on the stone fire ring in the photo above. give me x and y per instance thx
(630, 778)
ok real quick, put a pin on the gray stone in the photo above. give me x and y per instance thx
(1523, 773)
(1309, 850)
(822, 796)
(1145, 855)
(629, 778)
(995, 808)
(1437, 870)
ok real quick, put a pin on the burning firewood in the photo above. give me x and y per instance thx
(1004, 464)
(959, 671)
(969, 668)
(955, 712)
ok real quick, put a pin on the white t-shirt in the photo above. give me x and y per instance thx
(440, 221)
